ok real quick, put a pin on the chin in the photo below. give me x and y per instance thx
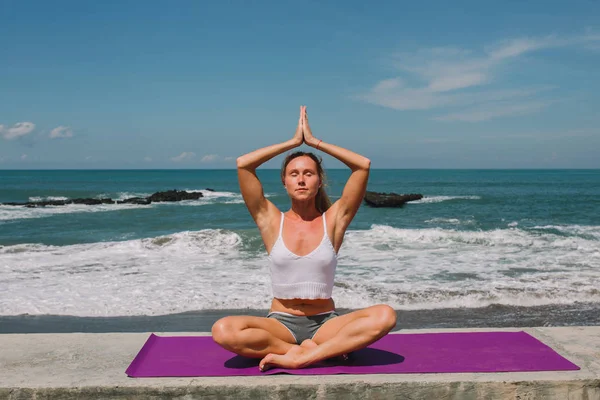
(303, 196)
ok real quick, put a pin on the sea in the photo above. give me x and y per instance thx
(481, 248)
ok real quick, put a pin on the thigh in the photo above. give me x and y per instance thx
(333, 326)
(241, 322)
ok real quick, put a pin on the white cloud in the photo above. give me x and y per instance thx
(88, 158)
(546, 135)
(516, 47)
(185, 156)
(457, 81)
(147, 159)
(388, 84)
(493, 110)
(209, 158)
(453, 77)
(61, 132)
(17, 130)
(23, 157)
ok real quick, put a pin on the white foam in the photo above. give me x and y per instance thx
(48, 198)
(19, 212)
(214, 194)
(577, 230)
(125, 195)
(213, 197)
(8, 213)
(216, 269)
(434, 268)
(450, 221)
(184, 271)
(438, 199)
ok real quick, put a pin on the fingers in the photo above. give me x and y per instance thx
(303, 113)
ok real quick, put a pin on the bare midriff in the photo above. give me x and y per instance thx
(302, 306)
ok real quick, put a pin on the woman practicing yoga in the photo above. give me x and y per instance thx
(303, 327)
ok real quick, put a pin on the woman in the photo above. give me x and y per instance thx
(303, 327)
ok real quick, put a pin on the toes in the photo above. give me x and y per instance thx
(263, 365)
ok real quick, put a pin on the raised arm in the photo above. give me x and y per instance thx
(356, 186)
(250, 186)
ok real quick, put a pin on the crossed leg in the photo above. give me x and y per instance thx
(253, 337)
(341, 335)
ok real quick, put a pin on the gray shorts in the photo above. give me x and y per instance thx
(302, 327)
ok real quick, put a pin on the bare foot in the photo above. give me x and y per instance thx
(290, 360)
(309, 344)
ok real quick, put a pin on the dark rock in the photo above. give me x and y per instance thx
(90, 202)
(34, 204)
(135, 200)
(209, 189)
(170, 195)
(377, 199)
(175, 195)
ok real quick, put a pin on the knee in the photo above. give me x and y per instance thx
(223, 331)
(386, 318)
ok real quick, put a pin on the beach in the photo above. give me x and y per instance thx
(585, 314)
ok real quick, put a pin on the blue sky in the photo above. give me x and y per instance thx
(194, 84)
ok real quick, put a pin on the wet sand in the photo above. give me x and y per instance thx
(496, 316)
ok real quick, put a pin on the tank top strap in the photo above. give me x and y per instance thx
(281, 226)
(324, 224)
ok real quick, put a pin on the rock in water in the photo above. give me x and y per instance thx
(170, 195)
(377, 199)
(175, 195)
(134, 200)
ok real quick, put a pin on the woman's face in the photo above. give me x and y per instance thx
(301, 178)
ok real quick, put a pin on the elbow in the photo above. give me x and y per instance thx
(366, 164)
(363, 164)
(241, 162)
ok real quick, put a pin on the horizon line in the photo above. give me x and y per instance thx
(277, 169)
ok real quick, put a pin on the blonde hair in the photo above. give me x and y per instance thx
(322, 202)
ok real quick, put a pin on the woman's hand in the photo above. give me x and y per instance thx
(309, 139)
(298, 138)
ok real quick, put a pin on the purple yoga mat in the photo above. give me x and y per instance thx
(178, 356)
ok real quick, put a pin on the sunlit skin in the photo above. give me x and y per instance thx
(267, 338)
(302, 184)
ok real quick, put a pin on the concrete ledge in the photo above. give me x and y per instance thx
(92, 366)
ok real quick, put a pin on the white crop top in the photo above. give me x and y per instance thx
(303, 277)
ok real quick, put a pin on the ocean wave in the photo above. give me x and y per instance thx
(221, 269)
(212, 194)
(48, 198)
(438, 199)
(450, 221)
(576, 230)
(8, 213)
(124, 195)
